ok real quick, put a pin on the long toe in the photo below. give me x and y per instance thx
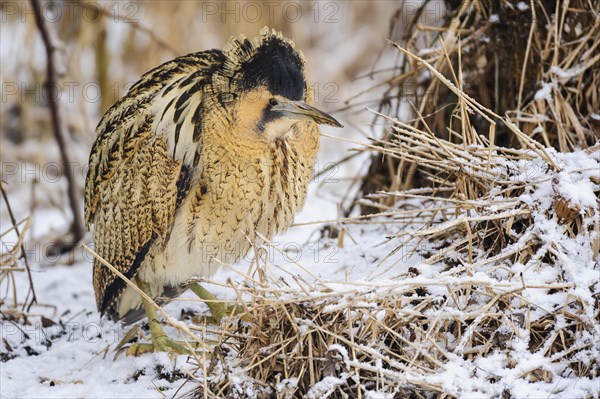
(163, 344)
(172, 347)
(139, 349)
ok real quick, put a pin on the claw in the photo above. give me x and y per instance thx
(139, 349)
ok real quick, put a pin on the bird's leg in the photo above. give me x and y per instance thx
(218, 309)
(160, 341)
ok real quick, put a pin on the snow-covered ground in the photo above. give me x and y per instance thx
(75, 357)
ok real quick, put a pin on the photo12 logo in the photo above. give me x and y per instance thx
(47, 332)
(70, 11)
(270, 11)
(65, 92)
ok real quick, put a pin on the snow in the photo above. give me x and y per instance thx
(568, 74)
(325, 387)
(545, 93)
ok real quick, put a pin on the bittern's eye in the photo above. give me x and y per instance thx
(273, 102)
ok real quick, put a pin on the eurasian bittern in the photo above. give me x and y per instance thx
(204, 152)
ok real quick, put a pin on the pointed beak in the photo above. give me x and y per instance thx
(302, 111)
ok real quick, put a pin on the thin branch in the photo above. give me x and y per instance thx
(51, 85)
(23, 253)
(137, 26)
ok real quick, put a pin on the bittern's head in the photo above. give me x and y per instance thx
(269, 90)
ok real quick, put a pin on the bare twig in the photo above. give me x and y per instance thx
(23, 253)
(51, 85)
(138, 26)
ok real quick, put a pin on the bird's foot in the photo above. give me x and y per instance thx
(225, 310)
(216, 316)
(160, 341)
(218, 309)
(163, 344)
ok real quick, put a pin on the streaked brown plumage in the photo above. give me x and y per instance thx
(202, 153)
